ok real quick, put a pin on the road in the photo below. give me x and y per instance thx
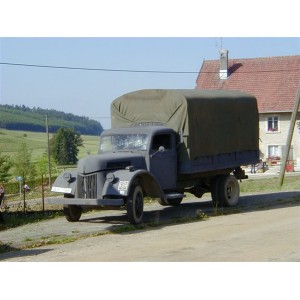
(266, 230)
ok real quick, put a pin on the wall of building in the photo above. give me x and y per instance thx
(269, 140)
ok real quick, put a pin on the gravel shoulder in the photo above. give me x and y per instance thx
(268, 235)
(165, 218)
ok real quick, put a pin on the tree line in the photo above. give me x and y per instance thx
(16, 117)
(63, 148)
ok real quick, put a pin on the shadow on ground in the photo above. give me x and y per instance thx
(197, 209)
(14, 252)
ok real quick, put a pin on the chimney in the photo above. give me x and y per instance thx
(223, 64)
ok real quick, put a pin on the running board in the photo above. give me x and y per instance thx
(174, 196)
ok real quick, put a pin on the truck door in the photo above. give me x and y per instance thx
(163, 159)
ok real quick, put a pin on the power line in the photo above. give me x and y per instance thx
(98, 69)
(137, 71)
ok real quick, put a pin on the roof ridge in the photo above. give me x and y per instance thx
(256, 58)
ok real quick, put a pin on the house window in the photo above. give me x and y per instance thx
(274, 152)
(273, 124)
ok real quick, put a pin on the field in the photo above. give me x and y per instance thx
(10, 141)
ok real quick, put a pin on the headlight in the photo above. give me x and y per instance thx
(67, 177)
(110, 177)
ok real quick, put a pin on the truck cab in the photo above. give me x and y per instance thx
(155, 148)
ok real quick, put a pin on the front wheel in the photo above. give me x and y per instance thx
(72, 212)
(135, 205)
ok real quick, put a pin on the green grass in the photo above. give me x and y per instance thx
(37, 142)
(291, 183)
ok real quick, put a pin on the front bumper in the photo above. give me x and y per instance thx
(86, 202)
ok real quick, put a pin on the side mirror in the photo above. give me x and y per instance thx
(160, 149)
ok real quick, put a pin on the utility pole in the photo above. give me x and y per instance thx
(48, 151)
(289, 137)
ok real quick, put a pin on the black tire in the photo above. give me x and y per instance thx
(135, 205)
(229, 191)
(215, 191)
(72, 212)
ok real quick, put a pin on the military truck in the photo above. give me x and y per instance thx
(163, 144)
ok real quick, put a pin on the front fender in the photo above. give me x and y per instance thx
(65, 183)
(118, 183)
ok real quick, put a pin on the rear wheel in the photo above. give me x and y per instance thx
(229, 191)
(72, 212)
(215, 191)
(225, 191)
(135, 205)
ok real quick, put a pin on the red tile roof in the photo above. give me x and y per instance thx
(273, 80)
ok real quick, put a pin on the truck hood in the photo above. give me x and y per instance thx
(110, 161)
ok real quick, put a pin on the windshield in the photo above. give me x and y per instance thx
(123, 142)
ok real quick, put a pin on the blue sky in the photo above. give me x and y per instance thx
(161, 35)
(90, 93)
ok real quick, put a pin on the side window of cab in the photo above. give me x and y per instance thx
(164, 140)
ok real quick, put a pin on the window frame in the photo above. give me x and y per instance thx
(276, 153)
(154, 146)
(272, 120)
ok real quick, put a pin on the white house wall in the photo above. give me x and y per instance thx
(277, 138)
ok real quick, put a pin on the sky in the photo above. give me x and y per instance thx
(170, 36)
(90, 92)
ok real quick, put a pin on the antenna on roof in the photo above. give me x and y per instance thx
(217, 44)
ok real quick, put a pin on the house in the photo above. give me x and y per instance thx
(274, 82)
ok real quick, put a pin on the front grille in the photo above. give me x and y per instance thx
(87, 186)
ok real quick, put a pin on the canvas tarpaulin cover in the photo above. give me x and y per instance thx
(212, 121)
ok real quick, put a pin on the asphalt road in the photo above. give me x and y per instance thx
(263, 227)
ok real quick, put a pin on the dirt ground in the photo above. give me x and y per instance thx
(265, 228)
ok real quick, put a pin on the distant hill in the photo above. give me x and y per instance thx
(16, 117)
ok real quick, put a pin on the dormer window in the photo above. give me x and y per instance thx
(273, 124)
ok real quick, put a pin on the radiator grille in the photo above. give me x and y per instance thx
(87, 186)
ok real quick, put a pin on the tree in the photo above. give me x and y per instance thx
(64, 146)
(5, 165)
(23, 163)
(42, 165)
